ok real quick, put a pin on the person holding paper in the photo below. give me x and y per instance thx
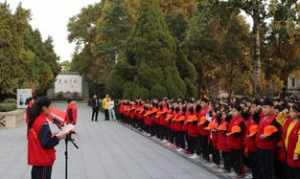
(41, 142)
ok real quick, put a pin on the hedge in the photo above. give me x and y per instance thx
(5, 106)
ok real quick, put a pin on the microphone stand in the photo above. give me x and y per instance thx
(67, 140)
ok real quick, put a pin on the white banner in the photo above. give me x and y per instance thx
(22, 96)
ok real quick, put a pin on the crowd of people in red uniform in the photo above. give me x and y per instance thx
(259, 138)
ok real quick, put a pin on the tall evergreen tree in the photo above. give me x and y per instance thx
(26, 61)
(151, 54)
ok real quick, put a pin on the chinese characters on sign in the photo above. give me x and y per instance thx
(68, 83)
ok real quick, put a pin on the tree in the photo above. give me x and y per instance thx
(284, 40)
(150, 56)
(257, 10)
(100, 31)
(112, 29)
(65, 66)
(26, 60)
(217, 45)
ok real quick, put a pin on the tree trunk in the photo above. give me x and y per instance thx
(257, 48)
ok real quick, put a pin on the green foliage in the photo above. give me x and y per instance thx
(158, 91)
(133, 91)
(112, 29)
(10, 100)
(101, 31)
(151, 50)
(159, 48)
(26, 60)
(8, 105)
(217, 44)
(191, 89)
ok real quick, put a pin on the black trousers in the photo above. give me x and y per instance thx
(95, 115)
(106, 114)
(204, 147)
(179, 140)
(170, 136)
(236, 159)
(41, 172)
(281, 170)
(216, 156)
(192, 144)
(252, 164)
(226, 159)
(266, 164)
(293, 173)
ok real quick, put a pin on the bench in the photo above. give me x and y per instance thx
(11, 119)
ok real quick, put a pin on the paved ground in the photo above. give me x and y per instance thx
(108, 150)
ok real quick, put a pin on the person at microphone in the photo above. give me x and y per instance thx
(41, 141)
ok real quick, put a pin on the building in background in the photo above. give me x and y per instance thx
(68, 84)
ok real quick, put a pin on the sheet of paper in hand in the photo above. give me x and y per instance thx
(66, 130)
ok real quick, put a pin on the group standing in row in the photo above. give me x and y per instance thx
(261, 136)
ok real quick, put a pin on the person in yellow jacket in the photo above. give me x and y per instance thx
(105, 106)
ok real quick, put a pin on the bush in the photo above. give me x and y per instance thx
(59, 95)
(76, 96)
(10, 100)
(158, 91)
(67, 95)
(5, 106)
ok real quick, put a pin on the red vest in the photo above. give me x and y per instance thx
(233, 142)
(222, 139)
(249, 142)
(178, 126)
(71, 113)
(148, 121)
(192, 128)
(292, 142)
(201, 128)
(37, 155)
(260, 142)
(167, 119)
(214, 134)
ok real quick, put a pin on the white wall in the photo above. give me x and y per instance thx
(68, 83)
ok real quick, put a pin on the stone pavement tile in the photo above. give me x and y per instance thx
(107, 150)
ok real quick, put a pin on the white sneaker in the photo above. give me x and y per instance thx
(194, 156)
(212, 165)
(232, 174)
(220, 170)
(179, 150)
(164, 141)
(168, 143)
(248, 176)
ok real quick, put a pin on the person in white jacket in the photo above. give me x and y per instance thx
(111, 110)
